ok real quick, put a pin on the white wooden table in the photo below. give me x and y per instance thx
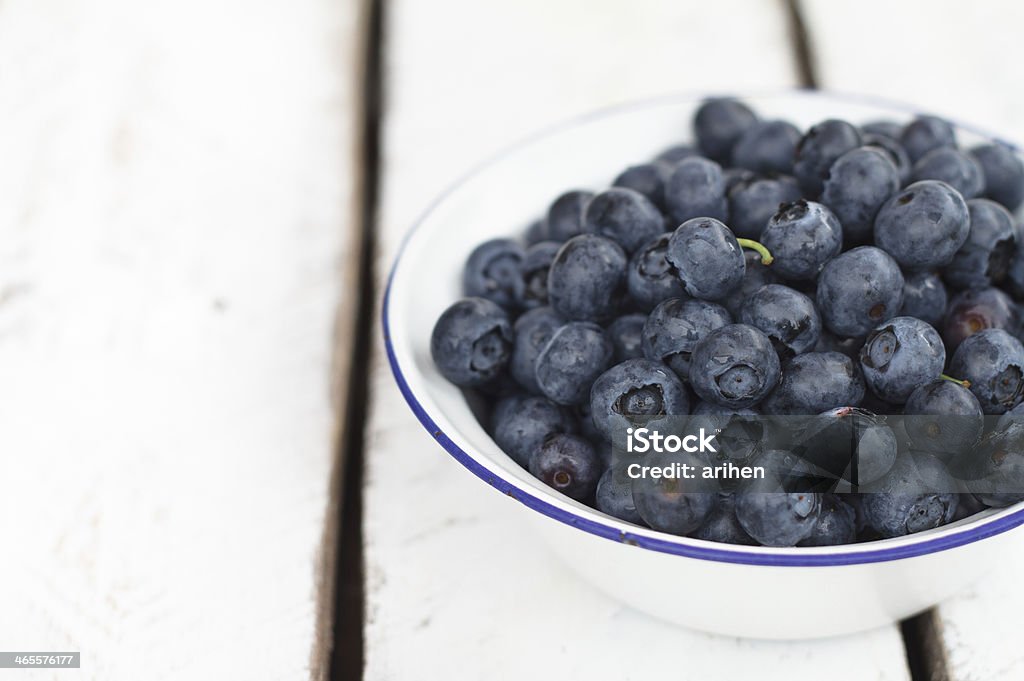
(180, 227)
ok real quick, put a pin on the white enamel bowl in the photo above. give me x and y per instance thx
(734, 590)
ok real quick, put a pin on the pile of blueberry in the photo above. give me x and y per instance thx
(868, 270)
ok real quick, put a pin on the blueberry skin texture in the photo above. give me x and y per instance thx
(717, 125)
(924, 297)
(565, 216)
(722, 525)
(734, 366)
(776, 518)
(925, 133)
(675, 505)
(915, 495)
(767, 147)
(636, 390)
(755, 276)
(650, 278)
(707, 258)
(882, 127)
(787, 317)
(857, 185)
(492, 272)
(994, 470)
(533, 329)
(587, 278)
(1004, 174)
(837, 524)
(575, 356)
(753, 201)
(568, 464)
(893, 150)
(625, 216)
(900, 355)
(673, 329)
(675, 154)
(626, 335)
(647, 178)
(851, 444)
(522, 424)
(993, 361)
(984, 259)
(802, 237)
(696, 188)
(531, 289)
(972, 311)
(815, 382)
(943, 418)
(859, 289)
(615, 496)
(472, 342)
(818, 149)
(536, 232)
(956, 168)
(924, 225)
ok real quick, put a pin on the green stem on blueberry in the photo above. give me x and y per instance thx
(766, 256)
(965, 383)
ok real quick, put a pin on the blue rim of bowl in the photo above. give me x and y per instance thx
(792, 557)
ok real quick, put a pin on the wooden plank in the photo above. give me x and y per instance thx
(455, 588)
(176, 232)
(951, 58)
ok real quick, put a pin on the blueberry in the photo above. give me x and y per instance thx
(625, 216)
(818, 149)
(734, 176)
(707, 258)
(647, 178)
(696, 188)
(899, 355)
(893, 150)
(755, 275)
(650, 278)
(915, 495)
(734, 366)
(890, 129)
(472, 342)
(924, 297)
(857, 185)
(636, 390)
(626, 335)
(531, 287)
(1004, 174)
(722, 526)
(533, 330)
(767, 147)
(674, 327)
(926, 133)
(740, 433)
(567, 463)
(850, 444)
(587, 278)
(774, 517)
(492, 271)
(675, 154)
(858, 290)
(565, 216)
(924, 225)
(994, 470)
(973, 311)
(829, 342)
(943, 418)
(993, 362)
(536, 232)
(816, 382)
(787, 317)
(674, 504)
(615, 495)
(754, 200)
(1014, 282)
(575, 356)
(984, 259)
(956, 168)
(522, 424)
(802, 236)
(717, 125)
(837, 524)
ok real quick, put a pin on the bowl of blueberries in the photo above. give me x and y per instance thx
(816, 296)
